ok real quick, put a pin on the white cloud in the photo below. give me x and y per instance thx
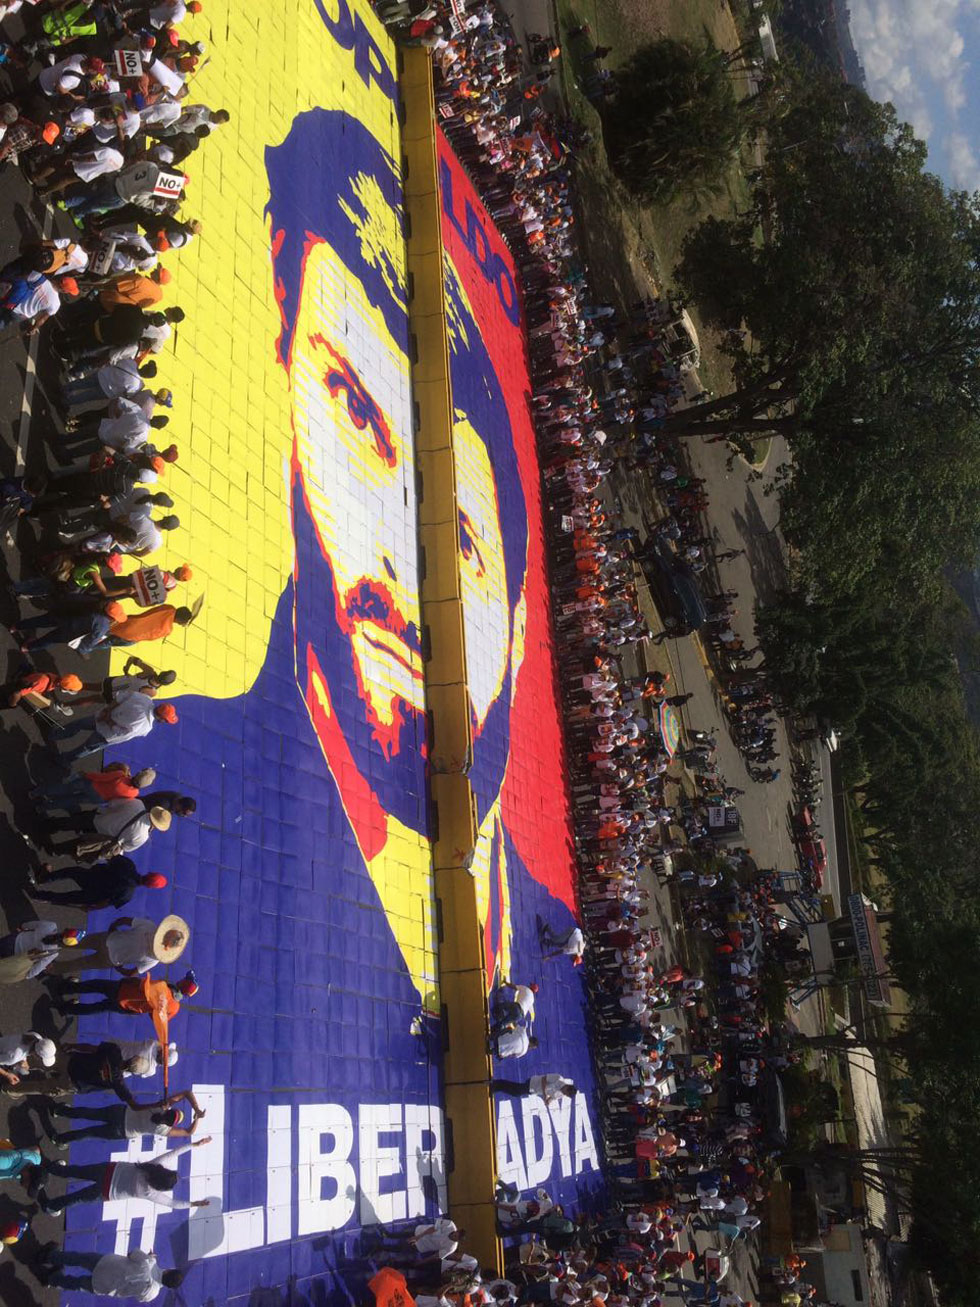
(964, 166)
(915, 54)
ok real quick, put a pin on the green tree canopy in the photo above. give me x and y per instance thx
(675, 123)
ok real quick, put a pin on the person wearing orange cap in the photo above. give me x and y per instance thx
(32, 681)
(62, 256)
(673, 1261)
(22, 134)
(128, 718)
(153, 624)
(132, 288)
(126, 588)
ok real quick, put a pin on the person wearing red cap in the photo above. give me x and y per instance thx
(109, 884)
(131, 996)
(673, 1261)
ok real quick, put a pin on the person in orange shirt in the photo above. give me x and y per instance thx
(132, 288)
(136, 996)
(86, 788)
(153, 624)
(35, 682)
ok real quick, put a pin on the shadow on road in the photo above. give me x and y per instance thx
(763, 549)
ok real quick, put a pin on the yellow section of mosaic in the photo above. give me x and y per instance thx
(265, 64)
(231, 416)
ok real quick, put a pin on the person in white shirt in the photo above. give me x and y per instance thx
(155, 336)
(121, 125)
(523, 996)
(152, 1181)
(64, 77)
(159, 116)
(138, 1276)
(524, 1209)
(125, 823)
(85, 166)
(144, 1057)
(108, 382)
(16, 1052)
(439, 1239)
(125, 1121)
(571, 945)
(36, 945)
(194, 116)
(129, 717)
(148, 531)
(30, 300)
(125, 429)
(132, 945)
(512, 1043)
(550, 1087)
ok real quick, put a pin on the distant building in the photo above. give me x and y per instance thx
(839, 1269)
(768, 42)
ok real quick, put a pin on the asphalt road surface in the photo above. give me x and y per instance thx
(25, 428)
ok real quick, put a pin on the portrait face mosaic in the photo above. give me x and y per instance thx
(524, 860)
(307, 873)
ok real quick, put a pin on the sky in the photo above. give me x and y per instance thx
(924, 56)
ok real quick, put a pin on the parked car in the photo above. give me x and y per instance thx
(675, 589)
(810, 847)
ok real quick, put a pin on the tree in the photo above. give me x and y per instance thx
(675, 123)
(866, 282)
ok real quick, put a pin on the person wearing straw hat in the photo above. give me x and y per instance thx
(131, 946)
(124, 824)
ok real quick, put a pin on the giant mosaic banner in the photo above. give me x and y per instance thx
(314, 1041)
(306, 874)
(524, 861)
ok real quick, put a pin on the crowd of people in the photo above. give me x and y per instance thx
(601, 389)
(108, 150)
(682, 1123)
